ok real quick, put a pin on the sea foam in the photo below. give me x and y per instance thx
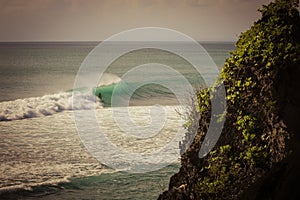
(47, 105)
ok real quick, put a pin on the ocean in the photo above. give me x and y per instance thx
(49, 148)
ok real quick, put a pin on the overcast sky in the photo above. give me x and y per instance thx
(95, 20)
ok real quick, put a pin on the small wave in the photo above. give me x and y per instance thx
(29, 187)
(16, 190)
(46, 105)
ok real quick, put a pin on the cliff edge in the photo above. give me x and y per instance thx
(257, 155)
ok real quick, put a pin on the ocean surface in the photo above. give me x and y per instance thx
(42, 150)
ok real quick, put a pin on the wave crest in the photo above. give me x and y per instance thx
(109, 79)
(46, 105)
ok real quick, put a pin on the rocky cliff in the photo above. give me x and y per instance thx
(257, 155)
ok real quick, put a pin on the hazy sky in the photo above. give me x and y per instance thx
(94, 20)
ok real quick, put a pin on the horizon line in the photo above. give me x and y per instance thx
(94, 41)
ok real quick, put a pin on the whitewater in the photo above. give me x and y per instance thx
(48, 150)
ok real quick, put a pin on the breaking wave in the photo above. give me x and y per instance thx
(46, 105)
(109, 79)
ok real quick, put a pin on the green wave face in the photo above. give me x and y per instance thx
(119, 90)
(106, 93)
(151, 93)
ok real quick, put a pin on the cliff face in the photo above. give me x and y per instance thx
(255, 157)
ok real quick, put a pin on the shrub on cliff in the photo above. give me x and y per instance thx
(252, 77)
(254, 137)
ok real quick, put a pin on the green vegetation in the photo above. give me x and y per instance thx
(254, 137)
(260, 80)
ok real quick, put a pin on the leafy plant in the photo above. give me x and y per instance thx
(251, 76)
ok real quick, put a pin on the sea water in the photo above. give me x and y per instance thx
(42, 155)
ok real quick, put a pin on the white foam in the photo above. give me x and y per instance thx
(46, 105)
(48, 150)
